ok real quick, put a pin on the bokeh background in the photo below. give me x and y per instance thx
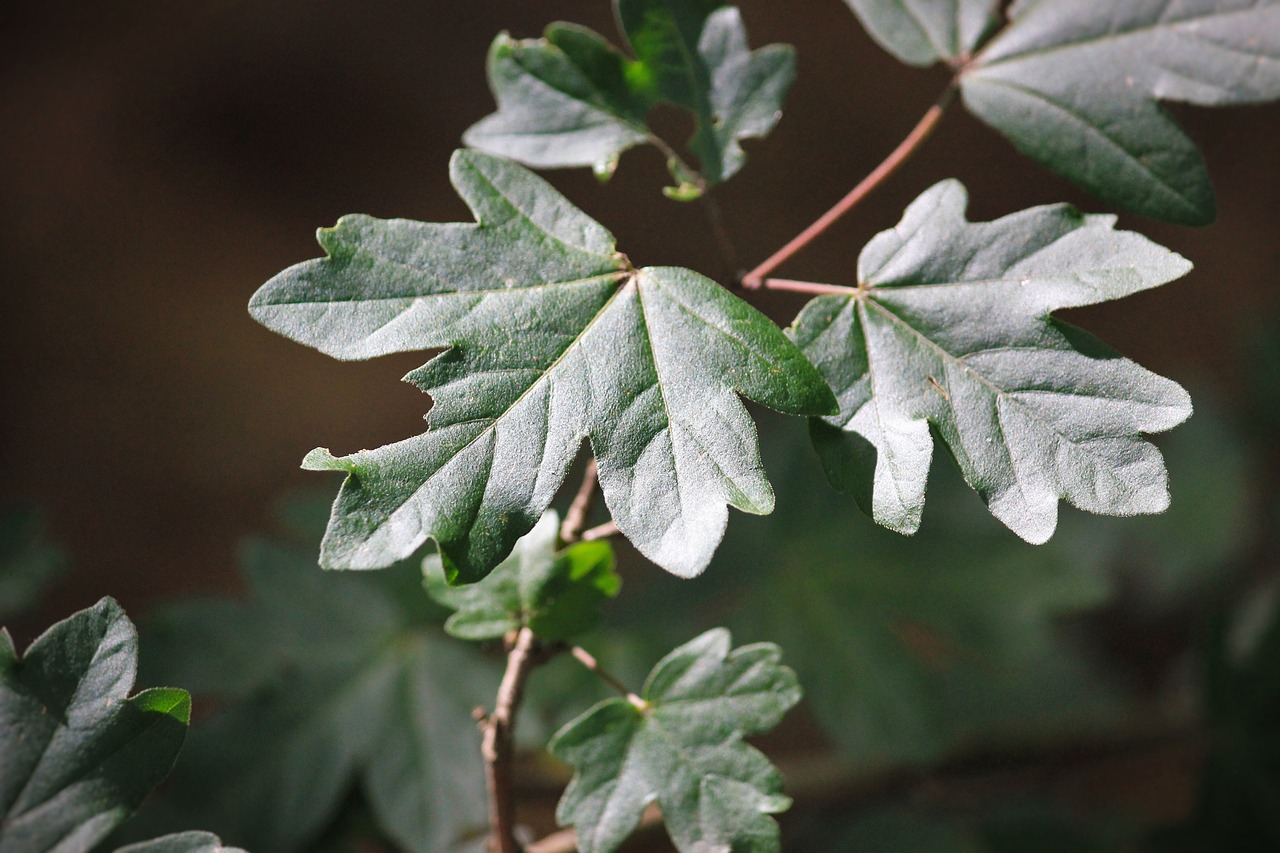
(161, 160)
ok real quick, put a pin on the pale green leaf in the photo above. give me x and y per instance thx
(1075, 86)
(572, 99)
(554, 595)
(684, 750)
(78, 753)
(922, 32)
(949, 333)
(553, 336)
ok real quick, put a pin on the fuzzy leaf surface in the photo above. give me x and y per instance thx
(950, 331)
(326, 682)
(1075, 87)
(922, 32)
(79, 753)
(684, 750)
(555, 595)
(181, 842)
(552, 337)
(572, 99)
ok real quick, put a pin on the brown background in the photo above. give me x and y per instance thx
(162, 159)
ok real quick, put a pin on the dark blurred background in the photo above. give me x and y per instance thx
(161, 160)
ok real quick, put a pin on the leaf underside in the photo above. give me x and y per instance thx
(552, 337)
(572, 99)
(950, 335)
(922, 32)
(80, 754)
(685, 751)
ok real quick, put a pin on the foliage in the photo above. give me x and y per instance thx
(679, 744)
(79, 752)
(572, 99)
(325, 681)
(1075, 87)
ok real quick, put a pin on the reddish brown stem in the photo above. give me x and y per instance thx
(755, 279)
(805, 287)
(498, 746)
(576, 517)
(601, 531)
(588, 660)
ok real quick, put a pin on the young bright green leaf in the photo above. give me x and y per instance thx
(553, 336)
(950, 330)
(77, 753)
(182, 842)
(572, 99)
(326, 682)
(684, 750)
(1075, 87)
(555, 595)
(922, 32)
(28, 562)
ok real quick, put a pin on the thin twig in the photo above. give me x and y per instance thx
(576, 517)
(498, 746)
(806, 287)
(588, 660)
(754, 279)
(601, 531)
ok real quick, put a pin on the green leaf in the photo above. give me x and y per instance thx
(922, 32)
(182, 842)
(1075, 88)
(80, 754)
(683, 748)
(326, 682)
(553, 336)
(950, 330)
(557, 596)
(572, 99)
(28, 562)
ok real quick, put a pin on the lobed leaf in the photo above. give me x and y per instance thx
(181, 842)
(922, 32)
(344, 681)
(950, 330)
(555, 595)
(572, 99)
(79, 753)
(683, 748)
(552, 336)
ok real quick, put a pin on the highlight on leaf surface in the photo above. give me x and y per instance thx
(182, 842)
(684, 750)
(571, 98)
(554, 595)
(552, 336)
(77, 753)
(949, 334)
(1075, 85)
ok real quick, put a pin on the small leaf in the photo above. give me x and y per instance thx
(684, 750)
(572, 99)
(326, 682)
(555, 595)
(80, 754)
(922, 32)
(950, 331)
(553, 336)
(182, 842)
(1075, 87)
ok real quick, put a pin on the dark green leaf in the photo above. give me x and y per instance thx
(553, 336)
(922, 32)
(182, 842)
(555, 595)
(572, 99)
(28, 562)
(328, 681)
(79, 754)
(950, 330)
(682, 748)
(1075, 87)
